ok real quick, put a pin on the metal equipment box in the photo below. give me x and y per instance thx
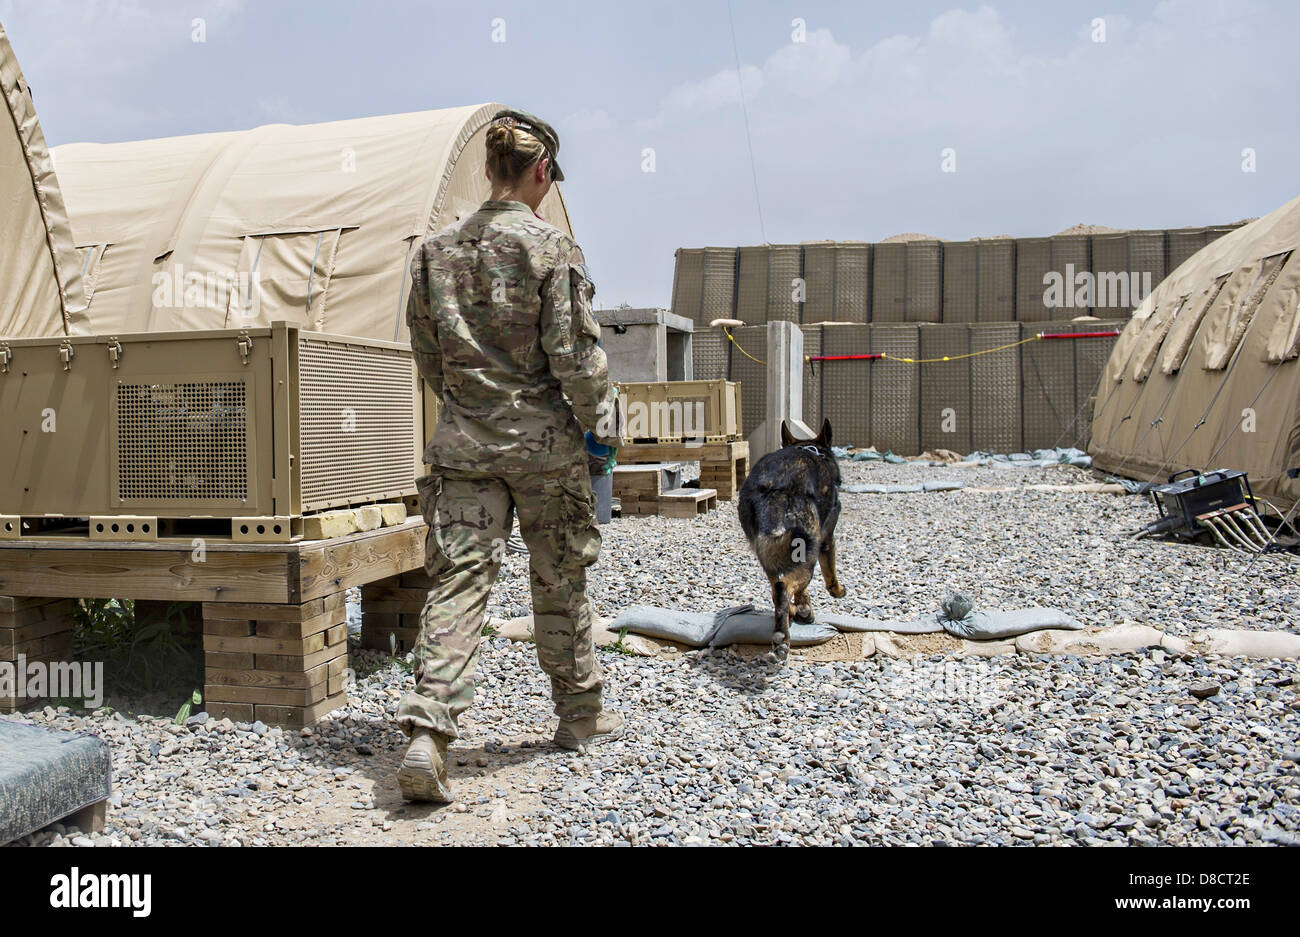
(672, 411)
(151, 434)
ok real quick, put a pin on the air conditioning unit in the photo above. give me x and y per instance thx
(235, 432)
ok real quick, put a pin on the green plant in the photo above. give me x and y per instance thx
(620, 646)
(489, 630)
(401, 662)
(196, 699)
(140, 656)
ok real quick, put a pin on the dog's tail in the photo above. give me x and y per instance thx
(783, 542)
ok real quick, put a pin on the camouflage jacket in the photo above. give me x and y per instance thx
(502, 330)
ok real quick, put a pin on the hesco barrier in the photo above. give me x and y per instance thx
(1002, 389)
(984, 280)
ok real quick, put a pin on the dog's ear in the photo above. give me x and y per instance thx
(787, 438)
(824, 437)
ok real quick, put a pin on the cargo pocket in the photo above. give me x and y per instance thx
(572, 539)
(583, 536)
(430, 491)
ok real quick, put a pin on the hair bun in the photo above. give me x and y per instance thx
(501, 140)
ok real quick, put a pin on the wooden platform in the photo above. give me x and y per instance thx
(274, 631)
(688, 502)
(723, 466)
(133, 528)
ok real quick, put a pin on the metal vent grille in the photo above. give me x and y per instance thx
(357, 423)
(182, 442)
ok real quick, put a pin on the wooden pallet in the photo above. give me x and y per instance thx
(274, 631)
(723, 466)
(280, 664)
(391, 610)
(33, 631)
(138, 528)
(688, 502)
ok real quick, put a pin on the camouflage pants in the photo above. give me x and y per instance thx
(469, 516)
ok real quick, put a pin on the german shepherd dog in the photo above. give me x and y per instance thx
(788, 508)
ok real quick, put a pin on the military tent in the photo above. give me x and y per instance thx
(40, 284)
(1205, 374)
(311, 224)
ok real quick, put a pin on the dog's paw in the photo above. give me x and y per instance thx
(803, 614)
(839, 591)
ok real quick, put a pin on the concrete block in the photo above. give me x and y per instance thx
(329, 525)
(369, 517)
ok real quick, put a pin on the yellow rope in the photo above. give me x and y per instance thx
(742, 351)
(972, 354)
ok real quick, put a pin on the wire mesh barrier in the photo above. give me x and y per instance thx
(985, 280)
(784, 279)
(819, 277)
(752, 285)
(852, 282)
(1183, 243)
(1033, 263)
(960, 281)
(719, 289)
(999, 387)
(889, 283)
(923, 298)
(996, 280)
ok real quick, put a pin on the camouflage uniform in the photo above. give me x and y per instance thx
(502, 330)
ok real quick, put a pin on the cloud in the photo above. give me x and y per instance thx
(1144, 129)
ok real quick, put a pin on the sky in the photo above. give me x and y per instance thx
(844, 121)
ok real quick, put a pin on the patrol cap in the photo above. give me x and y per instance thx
(540, 129)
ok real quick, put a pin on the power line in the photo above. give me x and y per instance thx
(740, 85)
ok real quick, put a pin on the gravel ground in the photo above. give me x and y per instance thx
(1010, 749)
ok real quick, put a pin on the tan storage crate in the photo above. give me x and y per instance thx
(674, 411)
(133, 434)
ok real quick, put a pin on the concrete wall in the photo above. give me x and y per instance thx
(646, 344)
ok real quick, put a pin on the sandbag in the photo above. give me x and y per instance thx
(741, 624)
(988, 626)
(745, 624)
(667, 624)
(918, 487)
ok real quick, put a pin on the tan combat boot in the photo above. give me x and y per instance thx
(423, 775)
(578, 734)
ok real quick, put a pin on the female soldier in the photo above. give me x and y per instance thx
(502, 330)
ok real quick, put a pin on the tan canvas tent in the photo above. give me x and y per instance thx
(39, 279)
(310, 224)
(1205, 375)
